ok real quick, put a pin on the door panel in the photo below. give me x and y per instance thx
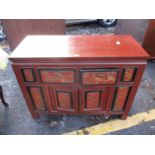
(93, 99)
(119, 96)
(66, 98)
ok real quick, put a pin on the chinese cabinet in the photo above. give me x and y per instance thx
(80, 74)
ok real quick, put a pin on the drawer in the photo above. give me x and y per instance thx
(59, 76)
(99, 76)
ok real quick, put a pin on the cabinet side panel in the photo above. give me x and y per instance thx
(120, 97)
(17, 71)
(37, 97)
(133, 91)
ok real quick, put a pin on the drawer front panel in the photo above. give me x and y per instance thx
(99, 76)
(121, 94)
(57, 76)
(28, 74)
(128, 74)
(37, 97)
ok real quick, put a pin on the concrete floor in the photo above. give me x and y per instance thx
(17, 120)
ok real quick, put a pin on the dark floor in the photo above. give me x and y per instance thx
(17, 120)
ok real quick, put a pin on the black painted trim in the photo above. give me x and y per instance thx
(127, 98)
(114, 97)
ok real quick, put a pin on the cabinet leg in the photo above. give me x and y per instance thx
(123, 117)
(2, 97)
(35, 115)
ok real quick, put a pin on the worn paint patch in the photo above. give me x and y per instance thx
(115, 125)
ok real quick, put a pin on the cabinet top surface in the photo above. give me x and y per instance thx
(82, 46)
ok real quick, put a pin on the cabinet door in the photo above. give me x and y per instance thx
(93, 99)
(118, 98)
(65, 98)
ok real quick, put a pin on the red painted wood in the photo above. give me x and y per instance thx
(129, 73)
(78, 46)
(17, 29)
(37, 97)
(92, 99)
(28, 74)
(149, 39)
(120, 100)
(84, 83)
(57, 76)
(99, 76)
(65, 98)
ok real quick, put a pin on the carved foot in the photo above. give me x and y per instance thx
(123, 117)
(35, 116)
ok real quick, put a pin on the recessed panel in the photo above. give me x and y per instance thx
(28, 74)
(93, 99)
(57, 76)
(99, 77)
(64, 100)
(128, 74)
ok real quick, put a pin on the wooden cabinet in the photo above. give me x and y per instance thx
(149, 39)
(17, 29)
(79, 74)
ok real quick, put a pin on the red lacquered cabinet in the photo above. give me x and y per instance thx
(80, 74)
